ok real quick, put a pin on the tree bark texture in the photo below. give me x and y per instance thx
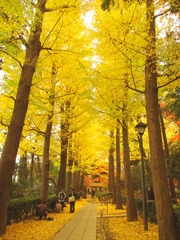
(64, 145)
(75, 174)
(39, 166)
(118, 170)
(11, 145)
(112, 186)
(166, 220)
(171, 184)
(69, 175)
(47, 139)
(78, 181)
(46, 162)
(23, 168)
(32, 165)
(130, 201)
(70, 165)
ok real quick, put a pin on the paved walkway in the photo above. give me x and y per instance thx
(82, 226)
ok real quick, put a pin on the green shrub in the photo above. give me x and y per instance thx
(22, 208)
(177, 213)
(151, 210)
(102, 196)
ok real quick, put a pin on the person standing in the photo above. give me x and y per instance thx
(93, 192)
(61, 198)
(72, 196)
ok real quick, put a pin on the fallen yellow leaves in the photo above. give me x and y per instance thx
(118, 227)
(41, 229)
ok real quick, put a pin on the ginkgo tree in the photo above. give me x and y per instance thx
(84, 81)
(143, 32)
(29, 34)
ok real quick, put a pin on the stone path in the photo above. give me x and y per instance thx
(82, 226)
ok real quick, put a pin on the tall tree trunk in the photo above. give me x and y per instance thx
(46, 162)
(39, 166)
(75, 175)
(118, 170)
(47, 139)
(69, 178)
(166, 220)
(64, 146)
(130, 201)
(32, 165)
(70, 166)
(23, 167)
(171, 184)
(82, 181)
(112, 186)
(78, 181)
(8, 158)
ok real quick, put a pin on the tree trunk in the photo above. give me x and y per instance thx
(82, 181)
(118, 170)
(171, 184)
(112, 187)
(46, 162)
(8, 158)
(64, 146)
(69, 178)
(47, 139)
(70, 166)
(166, 220)
(75, 175)
(130, 201)
(78, 181)
(32, 165)
(23, 168)
(39, 166)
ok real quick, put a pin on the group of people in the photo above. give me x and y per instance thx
(58, 205)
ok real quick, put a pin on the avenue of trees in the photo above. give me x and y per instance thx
(72, 92)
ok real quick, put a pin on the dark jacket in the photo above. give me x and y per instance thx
(42, 209)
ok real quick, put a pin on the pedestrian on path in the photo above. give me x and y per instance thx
(72, 199)
(93, 193)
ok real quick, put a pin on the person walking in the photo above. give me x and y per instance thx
(61, 198)
(72, 199)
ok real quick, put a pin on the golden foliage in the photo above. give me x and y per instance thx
(41, 229)
(118, 227)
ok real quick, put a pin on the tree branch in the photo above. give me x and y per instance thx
(1, 122)
(9, 97)
(11, 57)
(134, 89)
(161, 14)
(173, 80)
(59, 8)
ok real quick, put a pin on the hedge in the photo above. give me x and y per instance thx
(151, 210)
(22, 208)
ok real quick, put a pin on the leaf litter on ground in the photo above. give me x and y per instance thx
(36, 229)
(118, 228)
